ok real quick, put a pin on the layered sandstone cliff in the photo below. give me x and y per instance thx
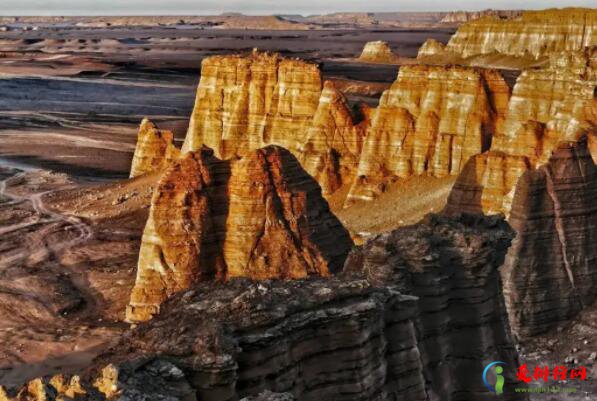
(540, 173)
(533, 35)
(378, 52)
(245, 103)
(430, 122)
(459, 17)
(261, 216)
(548, 106)
(155, 149)
(550, 271)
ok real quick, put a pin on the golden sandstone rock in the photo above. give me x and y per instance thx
(261, 217)
(548, 106)
(155, 149)
(245, 103)
(378, 52)
(533, 35)
(430, 121)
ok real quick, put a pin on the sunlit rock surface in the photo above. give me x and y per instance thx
(261, 217)
(540, 173)
(533, 35)
(430, 121)
(155, 149)
(548, 106)
(378, 52)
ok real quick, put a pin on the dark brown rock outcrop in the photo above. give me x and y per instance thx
(550, 272)
(261, 217)
(451, 265)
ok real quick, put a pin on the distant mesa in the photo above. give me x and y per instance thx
(519, 41)
(378, 52)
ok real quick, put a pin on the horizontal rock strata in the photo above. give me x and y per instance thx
(155, 150)
(539, 172)
(533, 35)
(451, 266)
(260, 217)
(430, 121)
(548, 106)
(245, 103)
(357, 336)
(550, 272)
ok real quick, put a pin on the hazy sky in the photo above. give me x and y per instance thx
(197, 7)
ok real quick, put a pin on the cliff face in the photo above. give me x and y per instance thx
(533, 35)
(533, 174)
(155, 149)
(349, 337)
(260, 217)
(547, 106)
(551, 269)
(245, 103)
(451, 266)
(459, 17)
(430, 121)
(378, 52)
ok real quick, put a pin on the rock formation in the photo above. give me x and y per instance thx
(245, 103)
(533, 35)
(540, 173)
(155, 149)
(431, 47)
(550, 271)
(356, 336)
(260, 217)
(451, 267)
(430, 121)
(459, 17)
(378, 52)
(547, 106)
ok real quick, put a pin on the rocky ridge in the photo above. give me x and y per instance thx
(533, 35)
(430, 121)
(244, 103)
(261, 216)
